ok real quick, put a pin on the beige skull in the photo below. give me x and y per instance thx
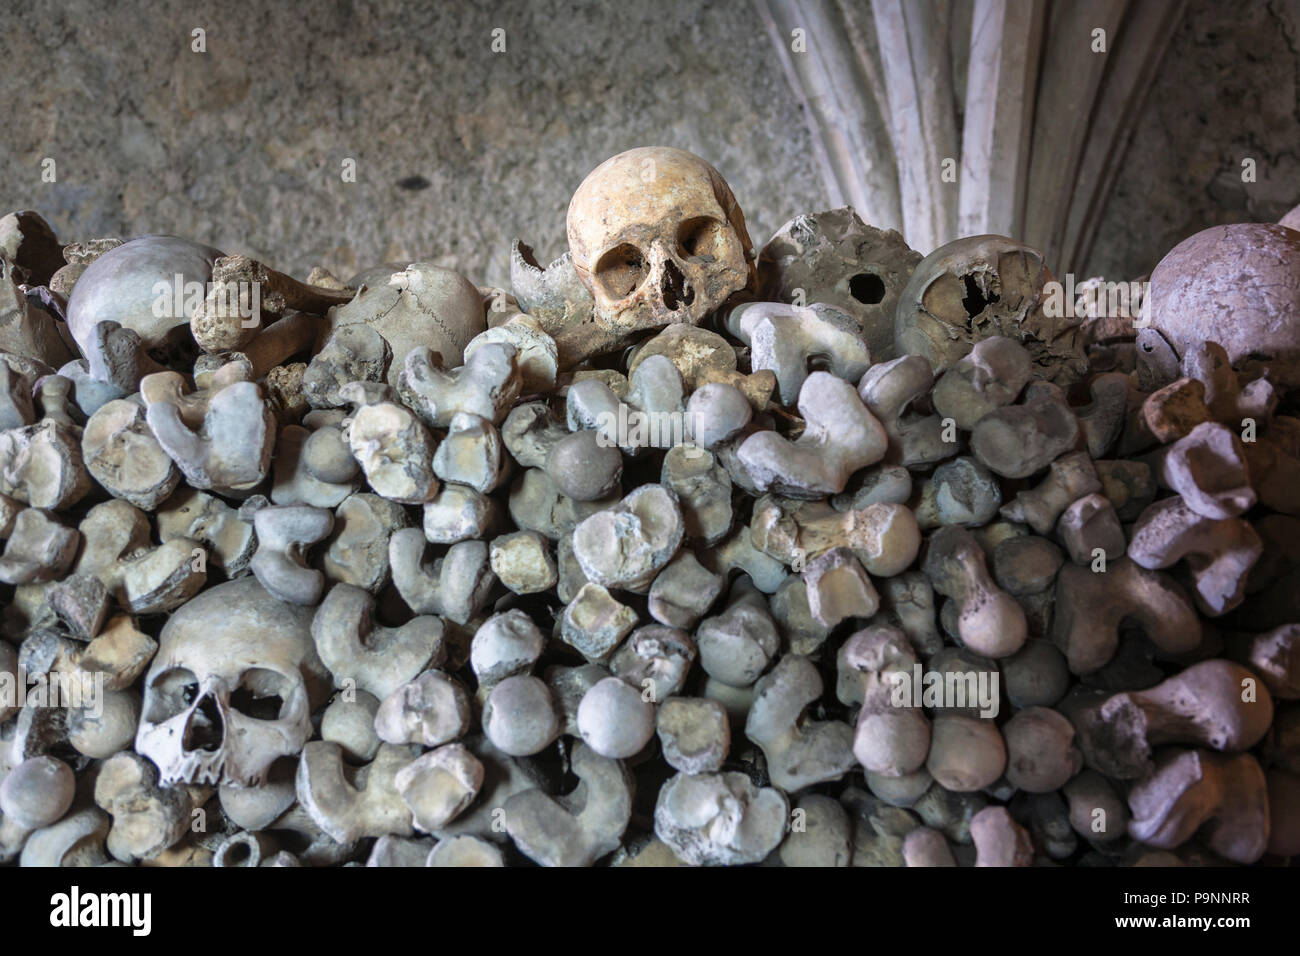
(658, 238)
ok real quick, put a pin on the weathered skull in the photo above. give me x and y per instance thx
(231, 688)
(658, 238)
(837, 259)
(421, 304)
(1238, 285)
(982, 286)
(150, 285)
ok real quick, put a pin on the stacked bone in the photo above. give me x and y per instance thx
(641, 563)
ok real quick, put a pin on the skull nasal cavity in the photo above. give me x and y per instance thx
(205, 729)
(976, 301)
(675, 289)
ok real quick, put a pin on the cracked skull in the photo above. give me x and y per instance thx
(232, 687)
(1237, 285)
(835, 258)
(982, 286)
(658, 238)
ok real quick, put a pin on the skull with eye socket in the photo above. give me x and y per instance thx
(835, 258)
(232, 687)
(657, 237)
(977, 287)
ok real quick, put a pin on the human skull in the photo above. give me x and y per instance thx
(835, 258)
(1238, 285)
(138, 285)
(421, 304)
(658, 238)
(978, 287)
(231, 688)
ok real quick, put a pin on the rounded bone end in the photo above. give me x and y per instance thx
(520, 716)
(892, 743)
(927, 847)
(1041, 755)
(37, 792)
(999, 840)
(584, 467)
(695, 733)
(465, 851)
(615, 720)
(966, 753)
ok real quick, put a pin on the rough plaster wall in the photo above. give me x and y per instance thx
(1228, 89)
(243, 147)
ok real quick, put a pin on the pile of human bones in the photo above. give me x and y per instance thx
(676, 553)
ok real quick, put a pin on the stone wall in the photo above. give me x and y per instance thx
(458, 149)
(1228, 90)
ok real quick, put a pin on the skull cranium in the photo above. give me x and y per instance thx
(1237, 285)
(981, 286)
(835, 258)
(656, 235)
(232, 687)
